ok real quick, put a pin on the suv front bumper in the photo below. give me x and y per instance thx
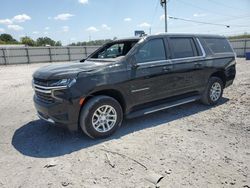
(60, 112)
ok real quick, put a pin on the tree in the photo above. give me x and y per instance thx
(7, 39)
(27, 41)
(245, 35)
(91, 43)
(44, 41)
(58, 43)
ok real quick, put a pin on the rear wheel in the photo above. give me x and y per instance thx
(213, 92)
(100, 117)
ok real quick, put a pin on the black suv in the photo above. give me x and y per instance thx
(133, 77)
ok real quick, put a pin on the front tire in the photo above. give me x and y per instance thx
(213, 92)
(100, 117)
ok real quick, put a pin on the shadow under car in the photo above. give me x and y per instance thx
(41, 140)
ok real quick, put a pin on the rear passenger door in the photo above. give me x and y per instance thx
(187, 57)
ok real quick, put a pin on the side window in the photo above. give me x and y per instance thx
(112, 52)
(183, 47)
(218, 45)
(153, 50)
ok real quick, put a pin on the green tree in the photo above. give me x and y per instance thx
(91, 43)
(27, 41)
(58, 43)
(245, 35)
(44, 41)
(7, 39)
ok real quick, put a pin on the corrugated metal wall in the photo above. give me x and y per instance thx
(241, 46)
(22, 55)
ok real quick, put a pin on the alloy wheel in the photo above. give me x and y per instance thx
(215, 91)
(104, 118)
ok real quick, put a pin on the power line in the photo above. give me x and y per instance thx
(155, 11)
(236, 18)
(214, 12)
(201, 23)
(208, 10)
(207, 23)
(225, 5)
(188, 20)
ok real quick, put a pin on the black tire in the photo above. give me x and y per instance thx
(206, 97)
(90, 108)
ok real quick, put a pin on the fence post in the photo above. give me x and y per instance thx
(27, 54)
(50, 55)
(85, 48)
(69, 53)
(245, 47)
(4, 56)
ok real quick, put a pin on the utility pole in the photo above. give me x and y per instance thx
(164, 4)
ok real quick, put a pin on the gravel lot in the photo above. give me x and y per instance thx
(190, 146)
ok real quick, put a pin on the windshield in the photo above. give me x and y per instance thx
(114, 49)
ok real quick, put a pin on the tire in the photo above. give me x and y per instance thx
(210, 96)
(100, 117)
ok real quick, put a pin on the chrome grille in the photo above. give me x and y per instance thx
(43, 90)
(44, 97)
(41, 82)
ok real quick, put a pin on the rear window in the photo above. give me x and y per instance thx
(183, 47)
(218, 45)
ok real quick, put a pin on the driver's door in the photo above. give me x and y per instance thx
(148, 76)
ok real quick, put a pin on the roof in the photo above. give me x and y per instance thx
(128, 39)
(171, 34)
(188, 34)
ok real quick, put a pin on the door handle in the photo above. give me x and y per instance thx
(167, 68)
(198, 65)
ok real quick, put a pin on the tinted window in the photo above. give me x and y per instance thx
(218, 45)
(112, 52)
(183, 47)
(153, 50)
(114, 49)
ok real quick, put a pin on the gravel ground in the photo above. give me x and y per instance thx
(190, 146)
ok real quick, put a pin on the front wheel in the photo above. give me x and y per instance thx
(213, 92)
(100, 117)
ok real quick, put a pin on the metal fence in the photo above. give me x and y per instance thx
(241, 46)
(21, 55)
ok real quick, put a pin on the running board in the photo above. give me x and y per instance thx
(163, 106)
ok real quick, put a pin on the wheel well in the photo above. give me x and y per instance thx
(221, 75)
(111, 93)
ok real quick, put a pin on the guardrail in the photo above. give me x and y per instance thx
(240, 46)
(22, 55)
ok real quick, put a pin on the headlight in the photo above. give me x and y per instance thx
(64, 82)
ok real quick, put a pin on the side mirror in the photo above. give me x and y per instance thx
(135, 66)
(132, 61)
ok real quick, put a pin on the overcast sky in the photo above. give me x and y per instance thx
(78, 20)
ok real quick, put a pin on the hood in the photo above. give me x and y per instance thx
(69, 70)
